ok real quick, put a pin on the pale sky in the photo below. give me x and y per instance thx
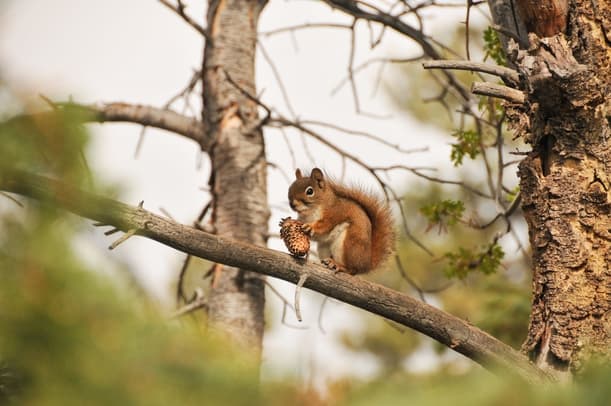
(138, 51)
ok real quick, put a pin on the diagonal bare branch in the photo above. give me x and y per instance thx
(179, 9)
(354, 9)
(437, 324)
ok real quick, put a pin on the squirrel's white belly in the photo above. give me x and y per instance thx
(332, 244)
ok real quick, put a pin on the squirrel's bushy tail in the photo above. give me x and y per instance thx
(383, 233)
(382, 223)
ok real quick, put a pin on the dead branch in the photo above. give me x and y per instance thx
(198, 303)
(441, 326)
(164, 119)
(153, 117)
(361, 10)
(297, 27)
(501, 71)
(302, 279)
(498, 91)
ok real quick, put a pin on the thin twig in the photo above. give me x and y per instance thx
(190, 307)
(366, 135)
(180, 10)
(382, 61)
(467, 31)
(180, 292)
(12, 199)
(501, 71)
(506, 214)
(109, 232)
(304, 26)
(322, 307)
(409, 280)
(302, 279)
(285, 305)
(278, 78)
(123, 238)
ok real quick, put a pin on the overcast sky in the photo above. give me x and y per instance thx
(137, 51)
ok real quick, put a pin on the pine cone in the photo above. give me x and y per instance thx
(294, 238)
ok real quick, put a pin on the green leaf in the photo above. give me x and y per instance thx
(511, 195)
(444, 213)
(462, 262)
(493, 47)
(468, 144)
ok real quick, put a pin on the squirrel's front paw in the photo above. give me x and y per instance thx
(307, 229)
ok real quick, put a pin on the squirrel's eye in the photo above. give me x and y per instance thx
(309, 191)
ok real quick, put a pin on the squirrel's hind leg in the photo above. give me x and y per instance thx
(334, 266)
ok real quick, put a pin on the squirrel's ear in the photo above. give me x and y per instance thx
(318, 176)
(298, 174)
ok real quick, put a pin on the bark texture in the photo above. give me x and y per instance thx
(565, 183)
(238, 180)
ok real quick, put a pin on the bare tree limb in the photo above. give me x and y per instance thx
(297, 27)
(443, 327)
(499, 91)
(354, 9)
(501, 71)
(152, 117)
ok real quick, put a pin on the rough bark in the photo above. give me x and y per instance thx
(238, 180)
(565, 182)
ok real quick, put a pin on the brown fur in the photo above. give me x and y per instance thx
(382, 224)
(354, 229)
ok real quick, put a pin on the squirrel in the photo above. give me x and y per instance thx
(354, 229)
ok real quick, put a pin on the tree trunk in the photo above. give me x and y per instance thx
(238, 179)
(566, 178)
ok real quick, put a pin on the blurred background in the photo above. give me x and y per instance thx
(81, 321)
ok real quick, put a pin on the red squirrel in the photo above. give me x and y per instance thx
(354, 229)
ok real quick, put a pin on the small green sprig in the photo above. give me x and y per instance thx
(468, 143)
(464, 261)
(444, 213)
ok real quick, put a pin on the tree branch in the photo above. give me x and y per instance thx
(180, 10)
(499, 91)
(501, 71)
(354, 9)
(164, 119)
(437, 324)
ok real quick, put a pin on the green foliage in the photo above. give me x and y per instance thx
(496, 303)
(71, 336)
(468, 143)
(493, 47)
(513, 193)
(391, 344)
(52, 142)
(76, 339)
(464, 261)
(478, 388)
(444, 213)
